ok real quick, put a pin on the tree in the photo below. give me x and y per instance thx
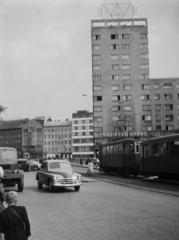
(2, 109)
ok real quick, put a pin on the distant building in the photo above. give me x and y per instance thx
(57, 139)
(82, 134)
(11, 134)
(125, 99)
(33, 138)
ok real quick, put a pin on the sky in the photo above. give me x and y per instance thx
(45, 53)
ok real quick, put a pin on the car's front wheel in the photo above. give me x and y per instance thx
(51, 188)
(39, 185)
(77, 188)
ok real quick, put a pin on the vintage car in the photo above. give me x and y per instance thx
(58, 173)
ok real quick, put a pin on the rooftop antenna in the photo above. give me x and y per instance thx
(117, 9)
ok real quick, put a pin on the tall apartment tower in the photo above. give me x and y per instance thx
(120, 63)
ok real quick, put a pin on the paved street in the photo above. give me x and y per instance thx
(100, 210)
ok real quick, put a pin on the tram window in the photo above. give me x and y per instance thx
(163, 149)
(116, 148)
(111, 149)
(155, 150)
(104, 150)
(160, 149)
(174, 148)
(137, 148)
(129, 148)
(120, 148)
(107, 150)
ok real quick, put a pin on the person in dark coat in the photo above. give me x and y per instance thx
(14, 222)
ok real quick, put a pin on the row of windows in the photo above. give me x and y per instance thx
(57, 142)
(116, 77)
(82, 133)
(116, 67)
(86, 121)
(157, 86)
(83, 140)
(157, 117)
(10, 142)
(11, 136)
(126, 87)
(157, 97)
(11, 131)
(122, 36)
(116, 46)
(59, 136)
(124, 56)
(32, 130)
(57, 129)
(83, 127)
(55, 149)
(83, 149)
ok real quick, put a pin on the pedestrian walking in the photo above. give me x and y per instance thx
(2, 199)
(90, 168)
(14, 222)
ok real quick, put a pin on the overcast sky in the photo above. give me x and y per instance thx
(45, 53)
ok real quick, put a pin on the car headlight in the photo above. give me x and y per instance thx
(56, 177)
(79, 177)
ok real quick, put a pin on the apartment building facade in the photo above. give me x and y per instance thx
(58, 139)
(120, 64)
(82, 134)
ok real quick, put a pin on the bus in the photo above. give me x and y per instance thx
(160, 157)
(122, 156)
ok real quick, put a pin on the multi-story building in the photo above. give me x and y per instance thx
(82, 134)
(57, 139)
(125, 99)
(11, 134)
(32, 139)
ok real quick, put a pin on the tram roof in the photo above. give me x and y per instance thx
(162, 138)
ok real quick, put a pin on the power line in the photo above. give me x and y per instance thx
(57, 46)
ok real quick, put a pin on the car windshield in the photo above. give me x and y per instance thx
(61, 165)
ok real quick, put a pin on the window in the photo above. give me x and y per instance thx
(125, 56)
(144, 55)
(158, 118)
(96, 57)
(126, 66)
(127, 87)
(116, 108)
(147, 128)
(98, 109)
(125, 36)
(116, 118)
(144, 76)
(96, 37)
(169, 117)
(168, 96)
(96, 47)
(98, 119)
(146, 107)
(114, 36)
(97, 88)
(114, 47)
(126, 76)
(96, 77)
(127, 108)
(144, 66)
(115, 87)
(98, 129)
(128, 118)
(115, 77)
(143, 35)
(97, 98)
(146, 118)
(114, 57)
(168, 107)
(116, 98)
(158, 127)
(115, 67)
(97, 67)
(145, 97)
(144, 45)
(156, 86)
(167, 86)
(157, 96)
(125, 46)
(127, 97)
(158, 107)
(145, 86)
(169, 127)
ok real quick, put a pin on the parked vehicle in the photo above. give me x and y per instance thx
(9, 163)
(23, 164)
(57, 174)
(34, 165)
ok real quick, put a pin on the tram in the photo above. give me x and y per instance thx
(160, 157)
(122, 156)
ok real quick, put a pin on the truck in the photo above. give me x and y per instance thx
(9, 163)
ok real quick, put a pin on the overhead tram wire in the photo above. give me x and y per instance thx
(58, 49)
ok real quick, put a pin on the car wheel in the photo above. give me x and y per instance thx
(21, 185)
(35, 168)
(77, 188)
(51, 188)
(39, 185)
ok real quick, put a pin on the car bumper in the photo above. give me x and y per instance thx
(67, 184)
